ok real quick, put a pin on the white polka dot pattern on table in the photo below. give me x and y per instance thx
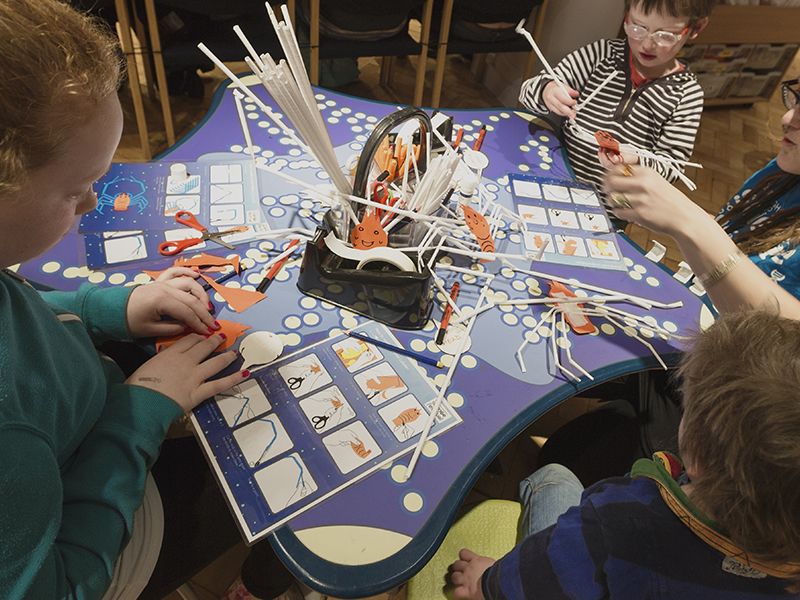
(608, 329)
(430, 449)
(311, 319)
(455, 400)
(412, 502)
(398, 473)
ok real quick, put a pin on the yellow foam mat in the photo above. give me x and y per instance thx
(490, 529)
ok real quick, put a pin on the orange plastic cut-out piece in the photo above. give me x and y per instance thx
(607, 141)
(573, 313)
(231, 329)
(479, 227)
(153, 274)
(238, 299)
(369, 233)
(205, 261)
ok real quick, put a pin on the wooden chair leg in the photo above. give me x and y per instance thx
(425, 34)
(478, 65)
(290, 6)
(124, 26)
(387, 64)
(141, 35)
(441, 54)
(161, 75)
(314, 35)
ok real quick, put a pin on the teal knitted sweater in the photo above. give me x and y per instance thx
(75, 441)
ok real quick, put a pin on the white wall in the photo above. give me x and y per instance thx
(569, 24)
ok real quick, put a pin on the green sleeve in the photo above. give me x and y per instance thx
(102, 310)
(63, 530)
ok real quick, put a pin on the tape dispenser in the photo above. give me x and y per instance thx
(382, 283)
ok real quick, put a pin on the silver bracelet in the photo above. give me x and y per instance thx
(722, 268)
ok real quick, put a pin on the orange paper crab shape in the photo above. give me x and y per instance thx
(607, 141)
(573, 313)
(369, 233)
(479, 227)
(231, 329)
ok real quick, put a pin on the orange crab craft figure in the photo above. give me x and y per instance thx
(369, 233)
(607, 142)
(573, 313)
(479, 227)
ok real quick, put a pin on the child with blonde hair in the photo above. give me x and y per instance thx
(723, 524)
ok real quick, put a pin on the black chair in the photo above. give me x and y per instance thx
(207, 21)
(401, 44)
(447, 45)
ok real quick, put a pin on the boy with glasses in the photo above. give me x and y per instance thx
(652, 101)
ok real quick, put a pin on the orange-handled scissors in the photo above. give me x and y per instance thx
(380, 191)
(184, 217)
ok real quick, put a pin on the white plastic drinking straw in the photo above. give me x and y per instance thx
(527, 35)
(442, 391)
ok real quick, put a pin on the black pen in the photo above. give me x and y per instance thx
(224, 278)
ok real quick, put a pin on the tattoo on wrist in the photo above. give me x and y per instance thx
(150, 379)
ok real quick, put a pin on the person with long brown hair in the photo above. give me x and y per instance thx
(747, 257)
(761, 222)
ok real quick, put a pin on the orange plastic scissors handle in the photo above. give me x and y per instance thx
(184, 217)
(380, 192)
(176, 246)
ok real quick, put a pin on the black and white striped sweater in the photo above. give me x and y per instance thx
(662, 115)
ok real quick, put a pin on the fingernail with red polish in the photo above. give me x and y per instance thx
(211, 330)
(211, 307)
(217, 325)
(246, 373)
(223, 336)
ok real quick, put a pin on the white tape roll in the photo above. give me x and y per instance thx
(364, 257)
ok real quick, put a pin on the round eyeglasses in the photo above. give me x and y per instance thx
(661, 38)
(791, 96)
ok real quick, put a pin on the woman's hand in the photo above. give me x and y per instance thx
(170, 305)
(642, 196)
(610, 159)
(466, 572)
(559, 102)
(180, 372)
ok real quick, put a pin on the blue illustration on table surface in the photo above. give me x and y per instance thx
(308, 425)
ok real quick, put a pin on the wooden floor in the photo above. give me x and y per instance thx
(732, 143)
